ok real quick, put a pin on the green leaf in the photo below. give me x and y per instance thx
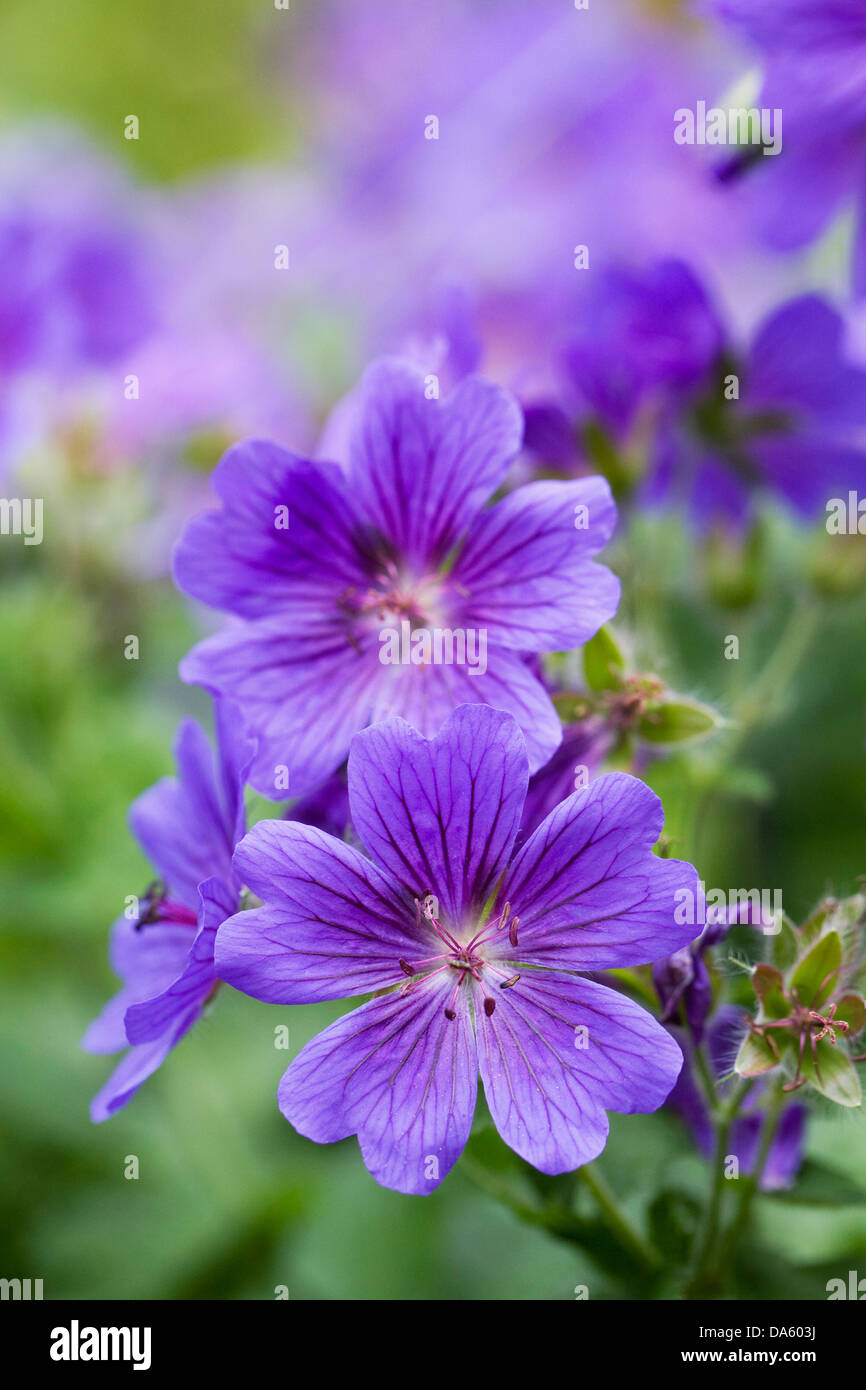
(815, 977)
(603, 662)
(677, 721)
(847, 919)
(818, 919)
(818, 1185)
(784, 944)
(673, 1220)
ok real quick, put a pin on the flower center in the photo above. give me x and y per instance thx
(466, 958)
(391, 597)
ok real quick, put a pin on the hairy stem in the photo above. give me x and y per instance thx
(706, 1276)
(751, 1183)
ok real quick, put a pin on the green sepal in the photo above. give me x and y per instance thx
(571, 708)
(677, 721)
(817, 974)
(768, 985)
(834, 1075)
(755, 1056)
(851, 1009)
(604, 662)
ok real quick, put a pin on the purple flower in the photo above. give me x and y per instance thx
(340, 575)
(724, 1035)
(814, 72)
(656, 373)
(327, 807)
(78, 276)
(794, 429)
(577, 760)
(648, 340)
(683, 981)
(475, 947)
(188, 827)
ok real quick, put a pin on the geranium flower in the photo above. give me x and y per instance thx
(475, 947)
(323, 565)
(579, 758)
(654, 373)
(814, 59)
(188, 827)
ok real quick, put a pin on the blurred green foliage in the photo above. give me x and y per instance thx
(188, 71)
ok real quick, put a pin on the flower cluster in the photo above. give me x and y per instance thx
(413, 658)
(472, 913)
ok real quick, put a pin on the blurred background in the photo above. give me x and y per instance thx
(148, 318)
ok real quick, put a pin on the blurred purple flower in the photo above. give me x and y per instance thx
(475, 947)
(430, 212)
(653, 369)
(77, 284)
(322, 565)
(577, 760)
(647, 341)
(814, 59)
(116, 321)
(188, 827)
(682, 980)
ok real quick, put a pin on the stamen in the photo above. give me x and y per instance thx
(512, 931)
(489, 1004)
(450, 1011)
(496, 924)
(406, 967)
(494, 970)
(411, 984)
(427, 913)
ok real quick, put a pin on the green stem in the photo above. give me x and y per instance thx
(752, 1182)
(558, 1219)
(702, 1068)
(706, 1270)
(711, 1095)
(761, 699)
(617, 1223)
(758, 704)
